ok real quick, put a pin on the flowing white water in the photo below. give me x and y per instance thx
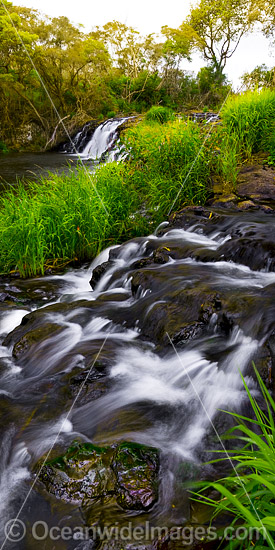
(187, 384)
(14, 472)
(102, 140)
(10, 320)
(161, 398)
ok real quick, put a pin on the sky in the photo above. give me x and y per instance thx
(148, 16)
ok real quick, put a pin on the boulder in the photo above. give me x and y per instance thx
(127, 472)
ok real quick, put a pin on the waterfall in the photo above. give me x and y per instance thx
(93, 145)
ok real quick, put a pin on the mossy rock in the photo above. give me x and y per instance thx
(86, 473)
(136, 468)
(34, 337)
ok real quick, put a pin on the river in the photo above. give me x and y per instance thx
(133, 370)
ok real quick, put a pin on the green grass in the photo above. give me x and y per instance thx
(170, 166)
(64, 218)
(249, 119)
(248, 495)
(159, 114)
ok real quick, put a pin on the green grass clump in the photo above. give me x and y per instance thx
(159, 114)
(248, 495)
(65, 218)
(170, 165)
(249, 119)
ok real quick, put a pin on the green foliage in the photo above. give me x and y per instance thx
(250, 120)
(3, 147)
(111, 114)
(160, 114)
(51, 69)
(225, 157)
(260, 77)
(214, 27)
(248, 494)
(213, 88)
(169, 165)
(65, 218)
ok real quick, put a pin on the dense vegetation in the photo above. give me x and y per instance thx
(52, 74)
(72, 217)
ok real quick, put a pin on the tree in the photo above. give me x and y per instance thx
(215, 27)
(135, 58)
(17, 42)
(260, 77)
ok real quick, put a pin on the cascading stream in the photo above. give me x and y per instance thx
(102, 141)
(218, 314)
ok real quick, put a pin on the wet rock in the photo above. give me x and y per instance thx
(86, 473)
(5, 297)
(83, 474)
(34, 337)
(98, 272)
(90, 383)
(144, 262)
(136, 468)
(161, 255)
(256, 252)
(190, 215)
(189, 332)
(251, 236)
(247, 205)
(32, 322)
(187, 314)
(226, 201)
(29, 291)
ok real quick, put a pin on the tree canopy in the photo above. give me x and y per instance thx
(51, 70)
(215, 28)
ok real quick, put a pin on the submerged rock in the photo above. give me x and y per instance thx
(33, 337)
(135, 468)
(127, 472)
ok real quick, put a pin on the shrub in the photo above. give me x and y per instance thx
(159, 114)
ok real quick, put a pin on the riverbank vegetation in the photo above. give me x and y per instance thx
(247, 495)
(54, 77)
(70, 218)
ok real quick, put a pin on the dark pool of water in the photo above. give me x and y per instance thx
(30, 166)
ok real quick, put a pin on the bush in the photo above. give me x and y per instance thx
(159, 114)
